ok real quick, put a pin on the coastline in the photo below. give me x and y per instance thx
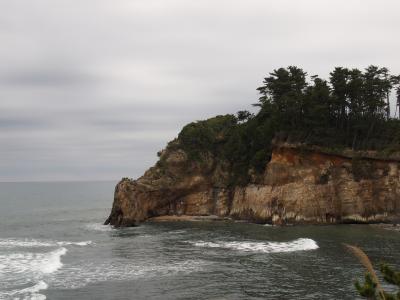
(190, 218)
(386, 226)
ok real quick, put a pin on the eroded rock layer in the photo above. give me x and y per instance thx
(300, 185)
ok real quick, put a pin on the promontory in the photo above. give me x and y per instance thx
(315, 152)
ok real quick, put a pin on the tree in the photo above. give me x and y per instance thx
(284, 89)
(396, 83)
(398, 98)
(339, 81)
(377, 87)
(317, 104)
(244, 115)
(349, 110)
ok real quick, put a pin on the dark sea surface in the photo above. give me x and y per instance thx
(53, 246)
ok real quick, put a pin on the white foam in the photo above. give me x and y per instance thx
(32, 293)
(177, 232)
(13, 243)
(32, 263)
(32, 243)
(26, 266)
(301, 244)
(52, 262)
(85, 243)
(76, 276)
(99, 227)
(23, 268)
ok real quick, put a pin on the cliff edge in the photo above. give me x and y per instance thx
(288, 163)
(299, 185)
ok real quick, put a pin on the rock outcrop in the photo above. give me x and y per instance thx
(300, 185)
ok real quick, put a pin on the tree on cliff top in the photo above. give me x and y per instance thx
(354, 106)
(350, 110)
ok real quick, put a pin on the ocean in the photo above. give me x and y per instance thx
(53, 246)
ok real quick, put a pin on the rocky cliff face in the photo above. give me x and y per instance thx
(300, 185)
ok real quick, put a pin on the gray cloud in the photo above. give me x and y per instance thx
(93, 89)
(45, 77)
(18, 123)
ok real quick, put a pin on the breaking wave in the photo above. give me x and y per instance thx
(301, 244)
(29, 266)
(26, 268)
(22, 269)
(31, 293)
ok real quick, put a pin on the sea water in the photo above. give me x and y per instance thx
(53, 246)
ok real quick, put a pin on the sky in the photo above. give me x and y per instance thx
(92, 89)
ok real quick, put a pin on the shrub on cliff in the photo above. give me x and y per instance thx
(207, 135)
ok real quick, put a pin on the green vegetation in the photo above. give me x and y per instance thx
(351, 110)
(369, 288)
(372, 288)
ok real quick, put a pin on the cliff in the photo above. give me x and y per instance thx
(299, 185)
(260, 166)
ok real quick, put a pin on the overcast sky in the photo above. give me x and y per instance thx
(92, 89)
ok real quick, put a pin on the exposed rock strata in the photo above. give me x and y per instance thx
(299, 185)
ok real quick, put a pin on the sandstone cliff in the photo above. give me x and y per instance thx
(300, 185)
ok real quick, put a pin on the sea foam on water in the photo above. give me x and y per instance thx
(24, 267)
(301, 244)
